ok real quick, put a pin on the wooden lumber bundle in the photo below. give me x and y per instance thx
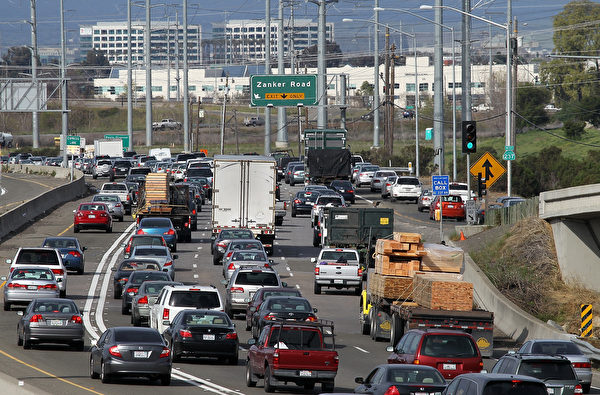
(390, 287)
(397, 248)
(443, 291)
(395, 266)
(440, 258)
(156, 190)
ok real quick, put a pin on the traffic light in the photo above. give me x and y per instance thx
(481, 186)
(469, 137)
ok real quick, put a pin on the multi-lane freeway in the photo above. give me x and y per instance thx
(57, 369)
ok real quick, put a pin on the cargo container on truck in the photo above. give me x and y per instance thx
(326, 155)
(108, 147)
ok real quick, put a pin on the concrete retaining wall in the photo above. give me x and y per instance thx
(59, 172)
(27, 212)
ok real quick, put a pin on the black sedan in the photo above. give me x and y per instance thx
(203, 333)
(401, 380)
(220, 242)
(260, 296)
(344, 188)
(303, 202)
(124, 270)
(49, 320)
(127, 351)
(133, 284)
(289, 308)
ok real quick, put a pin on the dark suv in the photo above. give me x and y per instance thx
(120, 169)
(495, 384)
(554, 370)
(450, 352)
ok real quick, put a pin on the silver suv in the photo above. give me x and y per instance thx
(243, 284)
(101, 168)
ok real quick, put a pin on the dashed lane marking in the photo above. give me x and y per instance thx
(362, 350)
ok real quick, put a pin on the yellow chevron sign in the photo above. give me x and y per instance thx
(586, 320)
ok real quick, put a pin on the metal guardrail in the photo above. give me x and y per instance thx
(511, 215)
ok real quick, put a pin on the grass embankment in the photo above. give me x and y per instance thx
(524, 267)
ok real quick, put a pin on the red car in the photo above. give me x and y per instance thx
(92, 216)
(450, 352)
(452, 207)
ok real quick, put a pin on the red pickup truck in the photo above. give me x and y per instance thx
(300, 353)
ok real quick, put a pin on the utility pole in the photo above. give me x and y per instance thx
(267, 71)
(147, 47)
(392, 103)
(129, 80)
(376, 78)
(169, 59)
(322, 68)
(223, 112)
(177, 78)
(34, 58)
(186, 91)
(343, 102)
(282, 134)
(386, 82)
(509, 123)
(63, 81)
(465, 112)
(515, 82)
(438, 92)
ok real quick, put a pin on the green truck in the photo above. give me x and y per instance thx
(326, 155)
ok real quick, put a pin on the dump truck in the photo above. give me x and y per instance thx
(158, 198)
(416, 285)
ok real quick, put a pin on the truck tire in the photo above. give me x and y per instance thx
(250, 379)
(268, 386)
(328, 386)
(317, 289)
(293, 212)
(373, 319)
(365, 325)
(316, 240)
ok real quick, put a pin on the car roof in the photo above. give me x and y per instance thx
(192, 287)
(528, 357)
(278, 297)
(60, 238)
(150, 246)
(487, 377)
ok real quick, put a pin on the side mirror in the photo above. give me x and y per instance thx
(271, 261)
(284, 284)
(389, 349)
(224, 282)
(83, 248)
(313, 260)
(9, 261)
(359, 380)
(484, 371)
(175, 256)
(20, 313)
(252, 309)
(74, 211)
(251, 342)
(511, 352)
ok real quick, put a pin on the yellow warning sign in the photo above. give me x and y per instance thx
(586, 320)
(284, 96)
(489, 168)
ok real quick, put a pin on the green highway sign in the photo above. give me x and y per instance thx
(509, 155)
(74, 140)
(123, 137)
(283, 90)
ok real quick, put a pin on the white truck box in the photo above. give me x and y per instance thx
(110, 147)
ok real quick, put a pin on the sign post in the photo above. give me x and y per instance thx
(440, 186)
(283, 90)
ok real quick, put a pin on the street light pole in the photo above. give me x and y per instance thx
(186, 91)
(376, 79)
(35, 124)
(63, 81)
(148, 46)
(129, 80)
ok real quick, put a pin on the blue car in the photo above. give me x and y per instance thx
(159, 226)
(70, 250)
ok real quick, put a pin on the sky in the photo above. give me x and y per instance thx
(534, 18)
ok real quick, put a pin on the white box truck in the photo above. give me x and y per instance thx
(110, 147)
(244, 195)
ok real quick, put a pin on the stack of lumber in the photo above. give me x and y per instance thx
(390, 287)
(441, 258)
(399, 257)
(156, 190)
(442, 291)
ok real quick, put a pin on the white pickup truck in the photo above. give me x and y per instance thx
(338, 268)
(166, 123)
(120, 189)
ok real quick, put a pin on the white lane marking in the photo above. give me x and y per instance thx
(291, 274)
(194, 265)
(2, 191)
(196, 276)
(90, 298)
(327, 331)
(223, 390)
(176, 376)
(361, 349)
(195, 256)
(360, 197)
(200, 247)
(297, 286)
(288, 269)
(283, 258)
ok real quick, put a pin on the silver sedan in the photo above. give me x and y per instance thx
(28, 283)
(244, 257)
(160, 254)
(115, 206)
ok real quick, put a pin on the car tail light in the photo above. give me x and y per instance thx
(165, 353)
(60, 272)
(187, 224)
(118, 205)
(47, 286)
(143, 300)
(76, 319)
(206, 186)
(317, 270)
(237, 290)
(392, 391)
(350, 191)
(128, 249)
(169, 232)
(297, 201)
(416, 362)
(185, 179)
(276, 358)
(231, 335)
(231, 266)
(229, 254)
(36, 318)
(132, 290)
(76, 254)
(578, 389)
(114, 351)
(169, 263)
(194, 212)
(311, 319)
(185, 333)
(140, 232)
(222, 244)
(582, 365)
(165, 314)
(124, 279)
(16, 285)
(360, 271)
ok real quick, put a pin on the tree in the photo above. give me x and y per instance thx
(366, 89)
(17, 56)
(98, 60)
(575, 33)
(574, 129)
(530, 105)
(333, 55)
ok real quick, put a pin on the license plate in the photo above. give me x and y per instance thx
(421, 393)
(56, 322)
(338, 281)
(208, 337)
(305, 373)
(140, 354)
(449, 366)
(32, 287)
(92, 216)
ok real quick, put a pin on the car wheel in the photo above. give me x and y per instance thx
(233, 360)
(248, 327)
(420, 209)
(105, 377)
(165, 379)
(79, 271)
(93, 374)
(109, 229)
(124, 310)
(250, 380)
(268, 386)
(174, 356)
(75, 229)
(372, 189)
(112, 177)
(292, 183)
(6, 306)
(94, 176)
(121, 218)
(174, 248)
(255, 331)
(26, 342)
(317, 289)
(586, 388)
(19, 339)
(117, 293)
(228, 312)
(216, 261)
(195, 226)
(316, 240)
(358, 290)
(293, 212)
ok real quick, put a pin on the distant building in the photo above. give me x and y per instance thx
(166, 41)
(51, 55)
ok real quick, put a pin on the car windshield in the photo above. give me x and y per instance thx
(256, 278)
(105, 198)
(131, 266)
(42, 306)
(123, 163)
(339, 256)
(246, 245)
(140, 170)
(407, 181)
(561, 348)
(546, 369)
(60, 243)
(34, 257)
(237, 234)
(385, 173)
(268, 293)
(92, 207)
(134, 335)
(289, 305)
(448, 346)
(155, 223)
(296, 338)
(249, 256)
(153, 288)
(197, 299)
(152, 241)
(206, 319)
(150, 251)
(514, 387)
(323, 200)
(200, 172)
(452, 199)
(139, 277)
(114, 187)
(415, 376)
(32, 274)
(341, 184)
